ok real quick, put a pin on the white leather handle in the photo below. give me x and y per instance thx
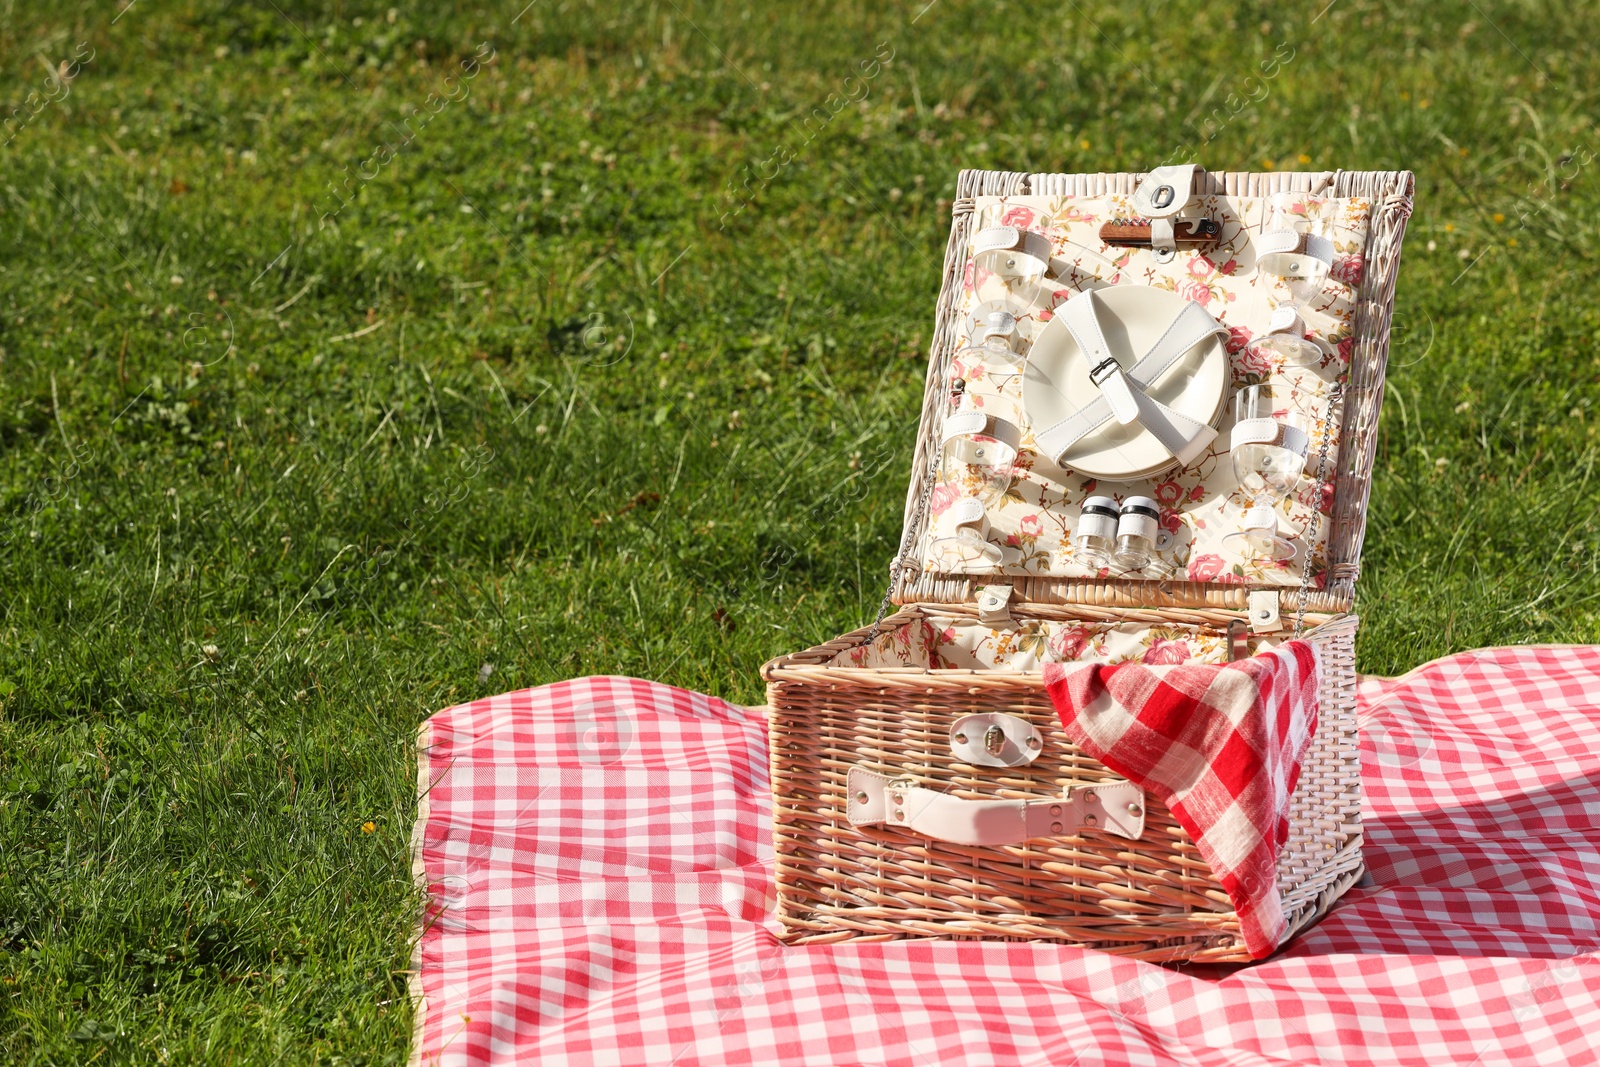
(1116, 808)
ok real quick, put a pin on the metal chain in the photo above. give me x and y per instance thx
(1316, 511)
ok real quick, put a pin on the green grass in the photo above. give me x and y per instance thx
(537, 403)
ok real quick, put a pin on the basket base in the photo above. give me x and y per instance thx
(1151, 899)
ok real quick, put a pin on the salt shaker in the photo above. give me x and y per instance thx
(1095, 539)
(1137, 526)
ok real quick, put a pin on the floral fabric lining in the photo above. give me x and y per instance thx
(1201, 504)
(943, 643)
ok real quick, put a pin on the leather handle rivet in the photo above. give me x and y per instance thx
(1090, 819)
(1135, 810)
(861, 797)
(1055, 828)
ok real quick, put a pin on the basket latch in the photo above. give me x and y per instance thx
(1264, 611)
(1163, 203)
(994, 604)
(995, 739)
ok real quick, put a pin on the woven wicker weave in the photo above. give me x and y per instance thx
(1154, 898)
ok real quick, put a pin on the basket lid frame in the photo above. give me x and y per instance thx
(1391, 196)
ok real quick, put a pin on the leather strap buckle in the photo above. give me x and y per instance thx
(1105, 369)
(1108, 378)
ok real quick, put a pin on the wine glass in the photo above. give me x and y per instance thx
(1297, 248)
(976, 469)
(994, 340)
(1268, 451)
(1015, 255)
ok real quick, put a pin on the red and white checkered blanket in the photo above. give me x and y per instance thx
(600, 864)
(1220, 744)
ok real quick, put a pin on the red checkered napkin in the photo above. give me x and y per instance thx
(1219, 745)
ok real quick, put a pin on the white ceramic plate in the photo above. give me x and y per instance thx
(1055, 384)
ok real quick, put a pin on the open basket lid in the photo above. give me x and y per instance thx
(1092, 233)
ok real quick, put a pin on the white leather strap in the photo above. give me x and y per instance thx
(994, 603)
(1081, 317)
(1011, 252)
(1269, 431)
(1183, 437)
(1292, 242)
(1264, 617)
(1191, 326)
(1163, 237)
(970, 422)
(999, 418)
(1114, 386)
(995, 238)
(1116, 808)
(1165, 191)
(966, 511)
(1260, 518)
(964, 422)
(1165, 194)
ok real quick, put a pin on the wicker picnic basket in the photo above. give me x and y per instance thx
(1152, 897)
